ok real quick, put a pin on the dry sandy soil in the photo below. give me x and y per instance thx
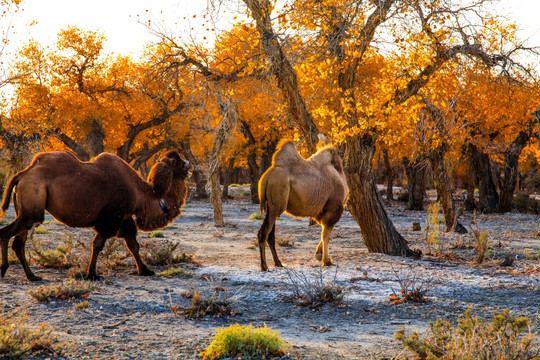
(130, 317)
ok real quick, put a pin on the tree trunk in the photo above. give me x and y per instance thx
(416, 182)
(266, 159)
(487, 191)
(229, 114)
(444, 192)
(470, 203)
(389, 175)
(509, 181)
(227, 173)
(365, 203)
(252, 162)
(199, 177)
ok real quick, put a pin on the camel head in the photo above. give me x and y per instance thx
(171, 168)
(179, 167)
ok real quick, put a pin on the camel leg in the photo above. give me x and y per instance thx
(97, 245)
(128, 231)
(18, 247)
(328, 220)
(326, 232)
(267, 226)
(272, 244)
(6, 233)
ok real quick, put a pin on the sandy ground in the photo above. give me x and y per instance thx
(130, 317)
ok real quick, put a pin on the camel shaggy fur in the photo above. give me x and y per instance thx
(105, 193)
(315, 187)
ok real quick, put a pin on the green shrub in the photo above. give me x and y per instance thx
(82, 305)
(256, 216)
(245, 342)
(172, 272)
(41, 230)
(473, 339)
(68, 290)
(60, 257)
(18, 341)
(157, 234)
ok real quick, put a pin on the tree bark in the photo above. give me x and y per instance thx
(199, 177)
(510, 174)
(444, 192)
(283, 71)
(227, 173)
(416, 182)
(487, 191)
(252, 161)
(365, 203)
(229, 114)
(389, 175)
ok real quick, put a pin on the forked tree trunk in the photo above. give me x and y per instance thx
(509, 181)
(229, 114)
(416, 182)
(365, 204)
(444, 192)
(487, 191)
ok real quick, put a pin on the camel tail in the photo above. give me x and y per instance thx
(7, 194)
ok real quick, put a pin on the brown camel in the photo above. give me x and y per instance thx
(314, 187)
(105, 193)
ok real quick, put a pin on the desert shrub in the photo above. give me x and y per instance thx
(286, 240)
(163, 254)
(41, 230)
(245, 342)
(68, 290)
(17, 340)
(314, 292)
(157, 234)
(481, 241)
(215, 305)
(112, 254)
(256, 216)
(173, 272)
(413, 287)
(82, 305)
(473, 339)
(60, 257)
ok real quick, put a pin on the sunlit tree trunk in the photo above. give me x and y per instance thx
(389, 175)
(229, 117)
(251, 161)
(365, 204)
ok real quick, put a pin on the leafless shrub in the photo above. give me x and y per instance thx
(481, 239)
(413, 287)
(286, 240)
(314, 292)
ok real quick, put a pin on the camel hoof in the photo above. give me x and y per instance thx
(146, 272)
(34, 278)
(318, 256)
(92, 277)
(327, 263)
(264, 268)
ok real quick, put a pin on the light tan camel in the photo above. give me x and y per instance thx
(315, 187)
